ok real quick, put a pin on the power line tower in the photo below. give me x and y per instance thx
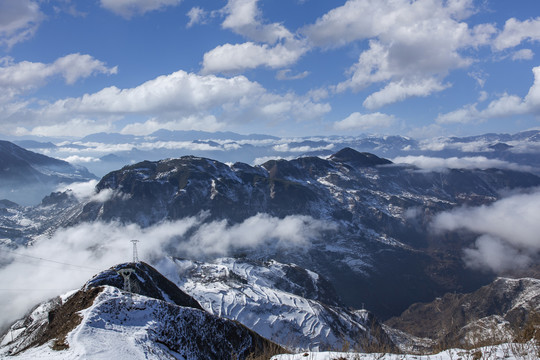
(135, 254)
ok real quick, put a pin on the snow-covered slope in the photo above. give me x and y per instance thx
(380, 214)
(105, 322)
(505, 351)
(272, 299)
(494, 313)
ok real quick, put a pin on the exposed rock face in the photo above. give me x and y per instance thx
(490, 313)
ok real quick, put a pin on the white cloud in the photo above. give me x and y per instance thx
(494, 254)
(130, 8)
(505, 106)
(174, 100)
(523, 54)
(400, 90)
(244, 18)
(508, 231)
(17, 78)
(263, 159)
(94, 247)
(19, 21)
(180, 145)
(229, 58)
(358, 121)
(515, 32)
(77, 127)
(205, 123)
(412, 44)
(271, 45)
(300, 149)
(82, 191)
(196, 15)
(76, 159)
(467, 162)
(260, 231)
(285, 75)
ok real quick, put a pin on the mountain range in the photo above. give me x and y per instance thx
(26, 175)
(311, 253)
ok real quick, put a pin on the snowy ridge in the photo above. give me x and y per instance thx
(107, 323)
(250, 293)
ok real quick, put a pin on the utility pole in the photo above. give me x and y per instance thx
(135, 254)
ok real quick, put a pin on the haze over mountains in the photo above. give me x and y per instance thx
(102, 152)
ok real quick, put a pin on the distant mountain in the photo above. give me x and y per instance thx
(31, 144)
(492, 314)
(168, 135)
(156, 320)
(25, 176)
(192, 135)
(378, 255)
(109, 138)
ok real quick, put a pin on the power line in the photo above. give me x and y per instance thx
(52, 261)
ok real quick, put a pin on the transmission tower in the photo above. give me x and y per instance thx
(135, 254)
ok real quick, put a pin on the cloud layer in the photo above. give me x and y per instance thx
(179, 100)
(508, 231)
(79, 252)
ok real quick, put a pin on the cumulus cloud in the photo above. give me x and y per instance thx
(505, 106)
(508, 231)
(78, 252)
(402, 89)
(272, 45)
(176, 99)
(412, 44)
(232, 58)
(130, 8)
(515, 32)
(358, 121)
(467, 162)
(19, 21)
(17, 78)
(244, 18)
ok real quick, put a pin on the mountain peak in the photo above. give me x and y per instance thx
(145, 280)
(356, 158)
(101, 321)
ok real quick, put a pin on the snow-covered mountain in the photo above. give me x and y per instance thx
(377, 248)
(103, 153)
(26, 177)
(156, 320)
(284, 303)
(363, 237)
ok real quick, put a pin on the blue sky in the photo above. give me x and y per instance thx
(288, 68)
